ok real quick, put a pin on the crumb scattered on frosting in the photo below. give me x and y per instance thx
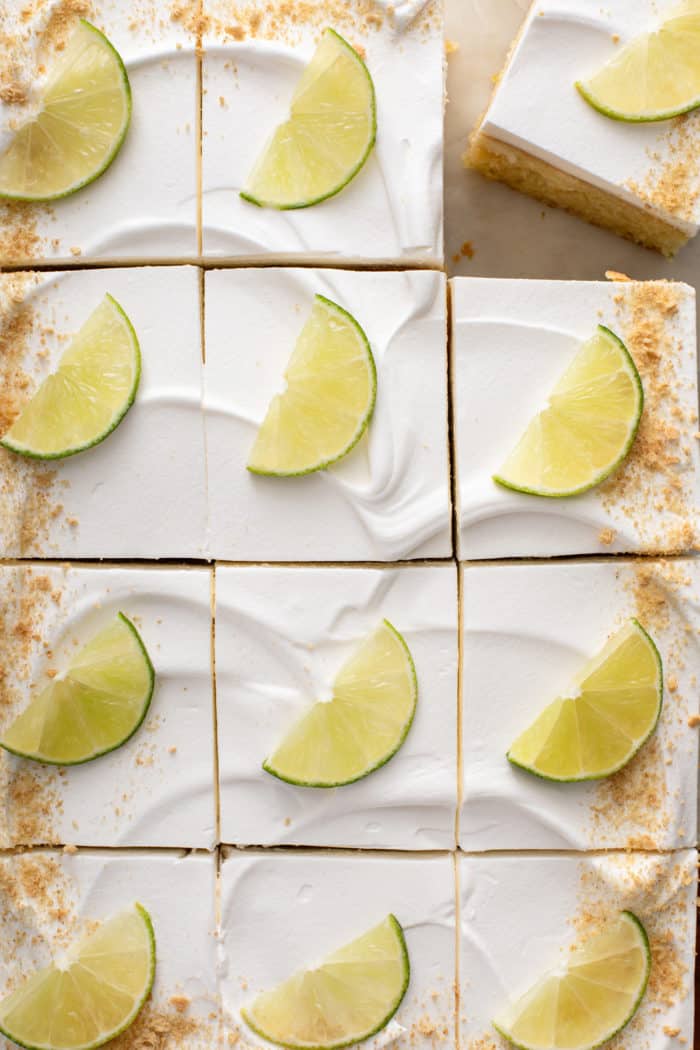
(673, 179)
(654, 486)
(637, 800)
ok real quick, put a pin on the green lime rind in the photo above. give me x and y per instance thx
(602, 1042)
(599, 478)
(148, 923)
(637, 749)
(380, 762)
(633, 118)
(365, 420)
(398, 930)
(119, 140)
(296, 205)
(22, 450)
(114, 747)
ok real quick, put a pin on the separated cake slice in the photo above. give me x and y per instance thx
(594, 112)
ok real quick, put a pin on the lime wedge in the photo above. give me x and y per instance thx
(94, 707)
(82, 119)
(328, 136)
(329, 398)
(94, 996)
(86, 398)
(362, 727)
(352, 995)
(613, 710)
(655, 76)
(587, 428)
(588, 1001)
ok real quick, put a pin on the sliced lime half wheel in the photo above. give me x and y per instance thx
(94, 707)
(331, 385)
(86, 398)
(362, 726)
(613, 710)
(91, 997)
(590, 998)
(79, 127)
(655, 76)
(328, 136)
(587, 428)
(350, 997)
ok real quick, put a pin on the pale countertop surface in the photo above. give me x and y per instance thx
(513, 235)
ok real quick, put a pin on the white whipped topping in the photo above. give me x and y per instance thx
(158, 789)
(389, 498)
(282, 636)
(525, 333)
(285, 913)
(537, 107)
(528, 631)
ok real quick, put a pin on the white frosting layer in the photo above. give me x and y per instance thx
(516, 925)
(142, 492)
(537, 108)
(527, 631)
(282, 635)
(512, 340)
(178, 892)
(392, 210)
(281, 913)
(389, 498)
(159, 788)
(145, 205)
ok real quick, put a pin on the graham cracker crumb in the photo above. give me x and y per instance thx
(653, 488)
(158, 1029)
(606, 537)
(672, 182)
(615, 275)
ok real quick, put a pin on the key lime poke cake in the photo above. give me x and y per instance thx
(595, 112)
(285, 760)
(267, 188)
(102, 165)
(576, 415)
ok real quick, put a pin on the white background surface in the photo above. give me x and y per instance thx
(513, 235)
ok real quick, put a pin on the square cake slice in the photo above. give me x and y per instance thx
(141, 492)
(282, 637)
(285, 912)
(144, 206)
(255, 52)
(529, 630)
(520, 915)
(512, 340)
(388, 499)
(51, 900)
(539, 135)
(159, 787)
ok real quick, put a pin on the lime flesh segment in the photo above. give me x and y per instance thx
(362, 727)
(96, 995)
(94, 708)
(89, 394)
(655, 76)
(352, 995)
(329, 398)
(81, 123)
(587, 428)
(328, 136)
(614, 711)
(591, 999)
